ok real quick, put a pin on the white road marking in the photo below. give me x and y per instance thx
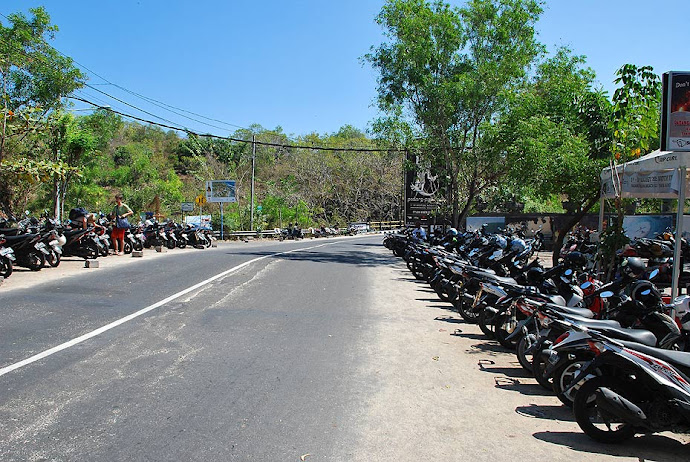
(114, 324)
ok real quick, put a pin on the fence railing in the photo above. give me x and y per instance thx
(385, 225)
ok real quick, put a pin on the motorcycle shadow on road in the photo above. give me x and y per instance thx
(658, 448)
(359, 258)
(547, 412)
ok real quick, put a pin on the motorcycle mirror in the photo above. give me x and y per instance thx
(568, 272)
(586, 285)
(606, 294)
(646, 292)
(653, 274)
(516, 263)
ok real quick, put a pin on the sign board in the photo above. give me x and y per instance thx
(638, 226)
(422, 194)
(259, 208)
(492, 223)
(675, 114)
(657, 184)
(221, 191)
(200, 200)
(187, 206)
(203, 221)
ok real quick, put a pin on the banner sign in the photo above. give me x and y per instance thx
(220, 191)
(422, 194)
(203, 221)
(675, 123)
(637, 226)
(660, 184)
(492, 223)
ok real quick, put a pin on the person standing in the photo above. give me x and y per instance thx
(120, 212)
(418, 233)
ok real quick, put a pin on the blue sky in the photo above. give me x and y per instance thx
(296, 64)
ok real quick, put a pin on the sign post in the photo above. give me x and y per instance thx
(200, 201)
(221, 191)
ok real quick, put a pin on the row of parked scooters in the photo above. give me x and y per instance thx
(34, 243)
(616, 352)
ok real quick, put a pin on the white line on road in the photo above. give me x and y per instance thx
(141, 312)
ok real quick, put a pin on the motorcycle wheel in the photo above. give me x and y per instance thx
(208, 243)
(500, 333)
(562, 378)
(127, 247)
(588, 416)
(170, 244)
(485, 321)
(35, 261)
(91, 251)
(181, 244)
(525, 360)
(53, 259)
(5, 267)
(442, 294)
(416, 271)
(538, 369)
(466, 310)
(102, 250)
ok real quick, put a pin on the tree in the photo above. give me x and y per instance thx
(449, 70)
(556, 128)
(34, 77)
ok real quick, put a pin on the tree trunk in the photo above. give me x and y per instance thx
(570, 224)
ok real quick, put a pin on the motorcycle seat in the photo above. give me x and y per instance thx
(501, 280)
(579, 314)
(642, 336)
(18, 238)
(680, 359)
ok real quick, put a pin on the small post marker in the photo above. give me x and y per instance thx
(91, 264)
(137, 253)
(161, 249)
(214, 244)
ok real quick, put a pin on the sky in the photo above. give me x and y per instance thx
(297, 64)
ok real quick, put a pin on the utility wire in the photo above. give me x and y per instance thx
(238, 140)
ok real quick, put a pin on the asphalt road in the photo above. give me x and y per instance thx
(321, 350)
(256, 365)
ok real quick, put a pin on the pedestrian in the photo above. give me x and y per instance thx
(121, 211)
(418, 233)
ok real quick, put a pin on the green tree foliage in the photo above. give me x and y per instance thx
(448, 70)
(34, 78)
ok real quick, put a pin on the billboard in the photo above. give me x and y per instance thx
(220, 191)
(637, 226)
(422, 194)
(202, 221)
(675, 115)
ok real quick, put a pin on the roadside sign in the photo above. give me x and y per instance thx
(221, 191)
(258, 208)
(187, 206)
(200, 200)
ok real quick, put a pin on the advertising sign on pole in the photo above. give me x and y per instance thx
(675, 115)
(422, 194)
(220, 191)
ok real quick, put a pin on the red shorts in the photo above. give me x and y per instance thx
(118, 233)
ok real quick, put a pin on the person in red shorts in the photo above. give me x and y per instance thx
(120, 212)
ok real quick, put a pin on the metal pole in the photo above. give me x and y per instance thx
(221, 221)
(679, 232)
(251, 216)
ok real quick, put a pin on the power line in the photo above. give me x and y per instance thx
(238, 140)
